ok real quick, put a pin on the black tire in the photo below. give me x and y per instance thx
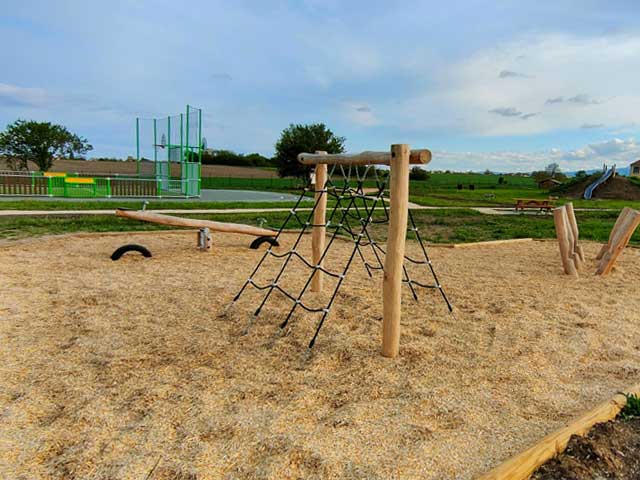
(260, 240)
(131, 247)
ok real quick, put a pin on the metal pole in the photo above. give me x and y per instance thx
(155, 142)
(181, 138)
(199, 150)
(138, 145)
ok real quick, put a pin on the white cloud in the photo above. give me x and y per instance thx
(512, 74)
(16, 96)
(615, 146)
(359, 113)
(506, 111)
(584, 99)
(618, 151)
(576, 79)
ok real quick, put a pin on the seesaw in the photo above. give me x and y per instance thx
(205, 227)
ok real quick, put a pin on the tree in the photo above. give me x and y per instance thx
(539, 175)
(304, 138)
(40, 143)
(552, 169)
(417, 173)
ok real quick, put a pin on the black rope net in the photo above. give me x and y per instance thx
(355, 211)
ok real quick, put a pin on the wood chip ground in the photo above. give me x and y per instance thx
(127, 369)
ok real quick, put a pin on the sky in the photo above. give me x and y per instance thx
(505, 85)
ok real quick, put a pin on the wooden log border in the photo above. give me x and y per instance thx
(488, 243)
(522, 466)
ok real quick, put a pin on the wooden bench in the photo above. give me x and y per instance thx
(525, 203)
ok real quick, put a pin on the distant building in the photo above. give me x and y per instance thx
(634, 169)
(548, 183)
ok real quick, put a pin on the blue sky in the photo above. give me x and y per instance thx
(504, 85)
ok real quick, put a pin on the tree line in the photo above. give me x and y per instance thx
(41, 142)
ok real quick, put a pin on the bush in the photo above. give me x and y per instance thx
(632, 407)
(418, 173)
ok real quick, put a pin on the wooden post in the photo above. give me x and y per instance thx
(620, 240)
(392, 280)
(205, 241)
(319, 220)
(573, 224)
(560, 220)
(625, 211)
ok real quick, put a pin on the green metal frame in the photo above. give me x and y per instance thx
(179, 149)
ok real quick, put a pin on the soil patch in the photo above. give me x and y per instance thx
(609, 450)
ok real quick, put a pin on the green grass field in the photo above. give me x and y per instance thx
(440, 190)
(454, 224)
(479, 180)
(438, 226)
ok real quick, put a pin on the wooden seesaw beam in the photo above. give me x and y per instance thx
(194, 223)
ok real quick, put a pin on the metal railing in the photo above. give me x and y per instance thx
(81, 186)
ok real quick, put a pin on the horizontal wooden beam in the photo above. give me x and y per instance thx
(416, 157)
(151, 217)
(523, 465)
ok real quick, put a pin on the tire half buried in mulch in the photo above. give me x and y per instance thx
(609, 450)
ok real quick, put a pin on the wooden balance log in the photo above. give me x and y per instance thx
(207, 226)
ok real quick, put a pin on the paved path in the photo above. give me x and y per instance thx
(57, 213)
(219, 211)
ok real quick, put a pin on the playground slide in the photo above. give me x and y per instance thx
(588, 193)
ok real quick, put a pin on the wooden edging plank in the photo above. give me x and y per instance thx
(491, 242)
(524, 464)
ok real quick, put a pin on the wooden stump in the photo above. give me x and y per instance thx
(565, 239)
(620, 235)
(578, 251)
(205, 240)
(625, 211)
